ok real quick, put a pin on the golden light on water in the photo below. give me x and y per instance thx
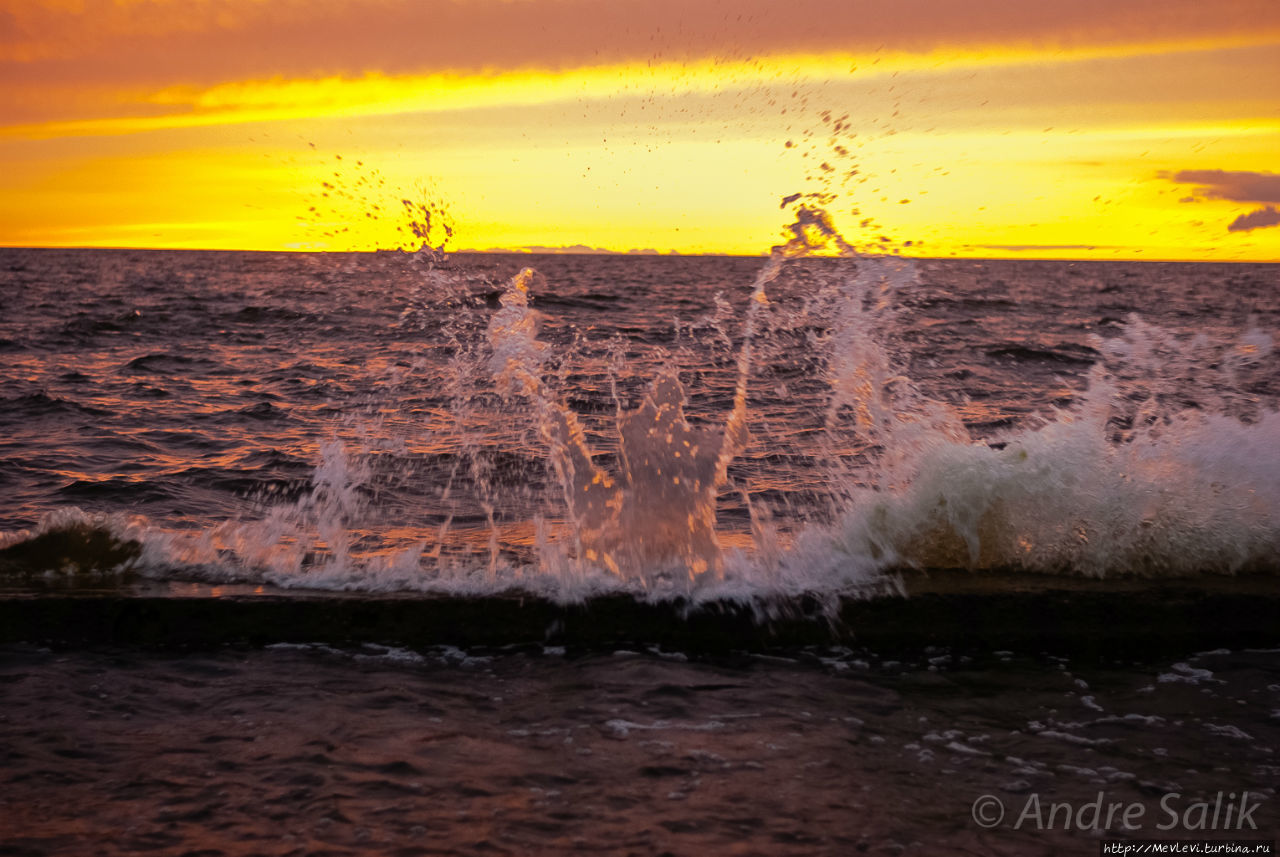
(998, 146)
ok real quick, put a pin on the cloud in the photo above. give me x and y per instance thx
(1238, 186)
(74, 61)
(1260, 219)
(214, 41)
(1235, 186)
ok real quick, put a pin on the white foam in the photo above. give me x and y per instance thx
(1186, 674)
(1226, 730)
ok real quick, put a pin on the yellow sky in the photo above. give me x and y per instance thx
(1107, 130)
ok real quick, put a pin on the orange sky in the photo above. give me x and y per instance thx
(1117, 129)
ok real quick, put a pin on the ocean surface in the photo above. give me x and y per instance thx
(390, 421)
(692, 429)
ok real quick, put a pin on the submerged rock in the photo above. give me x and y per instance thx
(76, 549)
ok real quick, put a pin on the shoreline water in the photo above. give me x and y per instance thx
(311, 749)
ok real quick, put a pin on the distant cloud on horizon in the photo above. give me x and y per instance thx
(1260, 219)
(1236, 186)
(1239, 186)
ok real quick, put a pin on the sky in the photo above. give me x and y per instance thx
(1096, 129)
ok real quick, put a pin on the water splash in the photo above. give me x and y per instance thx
(1152, 474)
(525, 479)
(657, 513)
(1164, 466)
(652, 520)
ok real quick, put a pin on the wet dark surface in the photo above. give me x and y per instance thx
(963, 611)
(309, 750)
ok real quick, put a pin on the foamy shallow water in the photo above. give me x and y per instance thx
(304, 749)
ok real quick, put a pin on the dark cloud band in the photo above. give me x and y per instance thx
(1259, 219)
(1239, 186)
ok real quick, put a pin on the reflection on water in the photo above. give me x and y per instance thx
(584, 424)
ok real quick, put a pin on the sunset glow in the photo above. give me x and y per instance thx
(993, 131)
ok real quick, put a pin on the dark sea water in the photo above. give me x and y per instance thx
(378, 421)
(695, 428)
(315, 751)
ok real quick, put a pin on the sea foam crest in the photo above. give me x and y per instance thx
(1131, 481)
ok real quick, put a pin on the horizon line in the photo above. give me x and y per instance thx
(634, 254)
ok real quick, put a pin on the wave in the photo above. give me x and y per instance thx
(551, 468)
(1199, 498)
(69, 541)
(20, 408)
(1081, 355)
(166, 364)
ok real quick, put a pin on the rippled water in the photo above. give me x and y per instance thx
(342, 420)
(389, 422)
(310, 750)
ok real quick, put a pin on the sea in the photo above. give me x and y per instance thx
(690, 431)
